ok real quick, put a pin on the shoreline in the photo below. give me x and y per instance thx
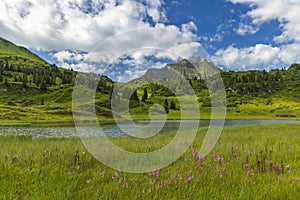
(71, 123)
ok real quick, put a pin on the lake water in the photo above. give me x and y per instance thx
(114, 131)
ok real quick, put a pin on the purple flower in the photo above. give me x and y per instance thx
(186, 159)
(218, 158)
(189, 179)
(289, 168)
(117, 174)
(201, 158)
(194, 154)
(155, 173)
(152, 182)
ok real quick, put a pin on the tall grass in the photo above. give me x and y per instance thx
(249, 162)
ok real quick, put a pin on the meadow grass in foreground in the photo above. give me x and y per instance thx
(248, 162)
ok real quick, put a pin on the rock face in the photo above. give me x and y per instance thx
(193, 68)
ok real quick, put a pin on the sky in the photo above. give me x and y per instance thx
(124, 38)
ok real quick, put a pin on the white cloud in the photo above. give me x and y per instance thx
(286, 12)
(130, 74)
(74, 28)
(245, 29)
(290, 53)
(75, 24)
(254, 57)
(259, 56)
(69, 56)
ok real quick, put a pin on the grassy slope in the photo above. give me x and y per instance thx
(9, 49)
(63, 168)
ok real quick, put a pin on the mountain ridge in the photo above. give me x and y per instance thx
(32, 89)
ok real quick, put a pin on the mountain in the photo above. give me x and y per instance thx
(193, 68)
(33, 90)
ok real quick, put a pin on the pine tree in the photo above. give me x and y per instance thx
(166, 106)
(135, 97)
(6, 82)
(43, 86)
(42, 101)
(145, 95)
(172, 105)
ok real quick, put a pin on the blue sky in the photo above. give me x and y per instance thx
(123, 39)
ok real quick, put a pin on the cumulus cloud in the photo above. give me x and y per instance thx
(286, 46)
(73, 28)
(285, 12)
(254, 57)
(258, 56)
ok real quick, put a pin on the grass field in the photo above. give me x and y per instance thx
(248, 162)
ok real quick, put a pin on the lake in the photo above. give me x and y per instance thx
(113, 130)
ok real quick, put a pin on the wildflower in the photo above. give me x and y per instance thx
(102, 174)
(88, 180)
(70, 172)
(217, 158)
(288, 168)
(152, 182)
(122, 179)
(46, 150)
(250, 152)
(79, 167)
(186, 159)
(189, 179)
(155, 173)
(117, 174)
(194, 154)
(201, 158)
(250, 172)
(246, 165)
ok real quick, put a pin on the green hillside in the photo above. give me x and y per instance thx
(9, 49)
(34, 90)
